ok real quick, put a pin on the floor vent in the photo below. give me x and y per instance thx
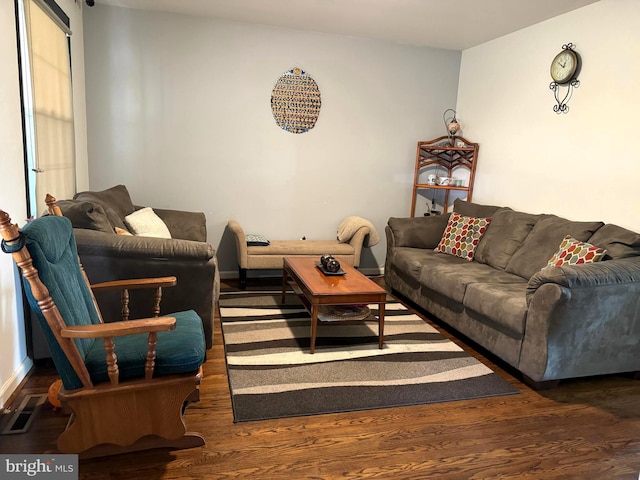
(21, 419)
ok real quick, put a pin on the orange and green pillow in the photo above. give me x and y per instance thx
(462, 235)
(575, 252)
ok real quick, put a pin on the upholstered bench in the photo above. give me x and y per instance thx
(353, 233)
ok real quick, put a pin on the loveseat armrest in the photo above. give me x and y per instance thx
(582, 321)
(92, 242)
(417, 232)
(184, 225)
(108, 257)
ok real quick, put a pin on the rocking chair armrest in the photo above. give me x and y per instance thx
(119, 329)
(135, 283)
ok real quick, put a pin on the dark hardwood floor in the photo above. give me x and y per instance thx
(583, 429)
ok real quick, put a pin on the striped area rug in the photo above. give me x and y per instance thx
(273, 375)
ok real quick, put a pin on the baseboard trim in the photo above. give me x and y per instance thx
(11, 385)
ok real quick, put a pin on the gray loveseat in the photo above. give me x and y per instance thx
(108, 256)
(549, 323)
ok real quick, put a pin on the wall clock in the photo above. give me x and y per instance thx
(564, 70)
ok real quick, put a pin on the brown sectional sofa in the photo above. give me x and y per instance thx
(549, 323)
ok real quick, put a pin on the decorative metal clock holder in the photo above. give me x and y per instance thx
(570, 82)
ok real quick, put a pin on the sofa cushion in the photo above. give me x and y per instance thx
(410, 261)
(543, 241)
(462, 235)
(575, 252)
(146, 223)
(617, 241)
(469, 209)
(451, 275)
(87, 215)
(116, 202)
(504, 236)
(503, 303)
(184, 225)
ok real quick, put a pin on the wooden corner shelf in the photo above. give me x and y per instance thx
(444, 155)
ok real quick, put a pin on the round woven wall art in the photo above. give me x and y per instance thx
(295, 101)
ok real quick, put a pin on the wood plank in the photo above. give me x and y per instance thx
(583, 429)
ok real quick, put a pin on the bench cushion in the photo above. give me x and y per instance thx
(302, 247)
(270, 257)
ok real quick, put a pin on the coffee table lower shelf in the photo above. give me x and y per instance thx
(313, 303)
(308, 305)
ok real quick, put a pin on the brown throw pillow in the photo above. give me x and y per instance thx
(116, 202)
(87, 215)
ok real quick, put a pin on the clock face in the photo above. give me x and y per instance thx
(564, 66)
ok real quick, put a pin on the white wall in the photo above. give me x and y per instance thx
(15, 363)
(583, 165)
(179, 111)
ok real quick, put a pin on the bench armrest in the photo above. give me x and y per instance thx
(241, 243)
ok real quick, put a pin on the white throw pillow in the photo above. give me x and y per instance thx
(146, 223)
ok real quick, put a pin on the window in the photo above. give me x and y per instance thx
(47, 102)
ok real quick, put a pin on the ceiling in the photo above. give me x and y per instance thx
(455, 25)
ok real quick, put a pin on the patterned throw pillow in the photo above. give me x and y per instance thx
(255, 240)
(575, 252)
(462, 235)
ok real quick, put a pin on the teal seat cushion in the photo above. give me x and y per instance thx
(177, 351)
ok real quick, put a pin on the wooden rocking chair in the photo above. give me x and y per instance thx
(131, 401)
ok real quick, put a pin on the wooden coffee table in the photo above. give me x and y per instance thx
(317, 289)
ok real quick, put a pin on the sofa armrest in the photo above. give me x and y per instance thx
(92, 242)
(609, 272)
(184, 225)
(417, 232)
(582, 321)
